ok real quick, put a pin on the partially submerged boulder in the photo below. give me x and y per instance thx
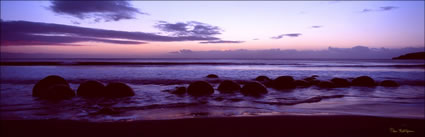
(262, 78)
(312, 80)
(340, 82)
(265, 80)
(200, 88)
(59, 92)
(302, 83)
(253, 89)
(212, 76)
(389, 83)
(118, 89)
(179, 91)
(91, 88)
(326, 84)
(364, 81)
(53, 87)
(284, 82)
(40, 88)
(228, 86)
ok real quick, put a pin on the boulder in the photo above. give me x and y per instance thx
(265, 81)
(179, 91)
(253, 89)
(59, 92)
(118, 89)
(340, 82)
(212, 76)
(228, 86)
(262, 78)
(389, 83)
(312, 80)
(364, 81)
(302, 83)
(40, 88)
(91, 88)
(284, 82)
(200, 88)
(326, 84)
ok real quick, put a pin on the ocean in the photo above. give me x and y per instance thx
(149, 78)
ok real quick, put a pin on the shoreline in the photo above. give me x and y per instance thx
(336, 125)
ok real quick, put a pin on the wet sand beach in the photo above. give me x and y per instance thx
(294, 126)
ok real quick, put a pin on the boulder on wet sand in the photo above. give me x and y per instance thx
(200, 88)
(40, 88)
(212, 76)
(340, 82)
(326, 84)
(284, 82)
(389, 83)
(91, 88)
(228, 86)
(118, 89)
(364, 81)
(59, 92)
(302, 83)
(253, 89)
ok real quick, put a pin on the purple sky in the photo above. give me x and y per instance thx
(163, 29)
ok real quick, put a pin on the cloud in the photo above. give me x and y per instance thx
(96, 10)
(288, 35)
(191, 28)
(220, 41)
(357, 52)
(24, 32)
(388, 8)
(315, 27)
(29, 39)
(384, 8)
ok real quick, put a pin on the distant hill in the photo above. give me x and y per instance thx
(416, 55)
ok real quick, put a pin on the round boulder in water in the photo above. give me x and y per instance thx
(265, 80)
(200, 88)
(262, 78)
(59, 92)
(389, 83)
(253, 89)
(312, 80)
(228, 86)
(179, 91)
(91, 89)
(40, 88)
(326, 84)
(284, 82)
(302, 83)
(212, 76)
(340, 82)
(364, 81)
(118, 89)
